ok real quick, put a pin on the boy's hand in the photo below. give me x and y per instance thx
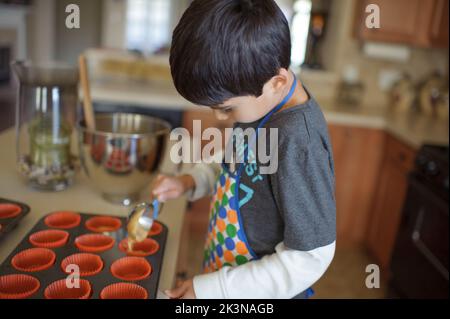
(165, 187)
(184, 291)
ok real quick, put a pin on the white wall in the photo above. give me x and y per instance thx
(71, 42)
(114, 21)
(114, 24)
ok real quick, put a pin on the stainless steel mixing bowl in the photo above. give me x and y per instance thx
(121, 156)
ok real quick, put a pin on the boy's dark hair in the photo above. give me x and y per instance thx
(228, 48)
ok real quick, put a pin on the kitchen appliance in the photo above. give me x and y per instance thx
(351, 89)
(45, 117)
(419, 266)
(315, 39)
(433, 96)
(11, 213)
(121, 156)
(402, 94)
(95, 246)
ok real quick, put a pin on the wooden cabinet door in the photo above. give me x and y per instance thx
(388, 201)
(422, 23)
(386, 216)
(357, 156)
(398, 20)
(438, 33)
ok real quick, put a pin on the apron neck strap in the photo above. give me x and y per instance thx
(282, 103)
(267, 117)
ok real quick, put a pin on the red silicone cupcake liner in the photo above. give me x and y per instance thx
(101, 224)
(94, 243)
(60, 290)
(156, 229)
(131, 268)
(9, 210)
(34, 259)
(123, 290)
(144, 248)
(18, 286)
(63, 220)
(89, 264)
(50, 238)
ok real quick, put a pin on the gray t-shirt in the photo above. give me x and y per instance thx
(296, 204)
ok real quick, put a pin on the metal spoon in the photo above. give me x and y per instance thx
(145, 213)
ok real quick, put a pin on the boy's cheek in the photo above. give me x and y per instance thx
(221, 116)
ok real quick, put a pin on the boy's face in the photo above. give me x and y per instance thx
(248, 109)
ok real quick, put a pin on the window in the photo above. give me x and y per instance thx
(300, 31)
(298, 13)
(148, 25)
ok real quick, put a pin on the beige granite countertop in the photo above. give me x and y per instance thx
(413, 129)
(79, 197)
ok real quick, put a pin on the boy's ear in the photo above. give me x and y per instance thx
(280, 80)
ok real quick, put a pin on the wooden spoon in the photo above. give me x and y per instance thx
(87, 101)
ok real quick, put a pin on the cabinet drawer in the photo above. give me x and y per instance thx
(400, 154)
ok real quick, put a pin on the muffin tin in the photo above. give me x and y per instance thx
(40, 266)
(11, 212)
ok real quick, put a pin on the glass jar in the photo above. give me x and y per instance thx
(45, 118)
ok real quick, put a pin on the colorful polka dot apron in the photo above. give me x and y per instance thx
(226, 242)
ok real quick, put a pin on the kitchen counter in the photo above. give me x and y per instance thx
(413, 129)
(139, 94)
(79, 197)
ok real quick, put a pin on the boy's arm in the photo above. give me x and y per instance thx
(283, 274)
(204, 175)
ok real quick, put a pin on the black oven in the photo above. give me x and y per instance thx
(419, 265)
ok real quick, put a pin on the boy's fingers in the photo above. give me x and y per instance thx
(177, 292)
(168, 195)
(161, 187)
(158, 180)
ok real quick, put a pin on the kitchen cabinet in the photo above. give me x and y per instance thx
(438, 25)
(358, 154)
(422, 23)
(388, 200)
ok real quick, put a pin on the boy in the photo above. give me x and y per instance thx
(273, 235)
